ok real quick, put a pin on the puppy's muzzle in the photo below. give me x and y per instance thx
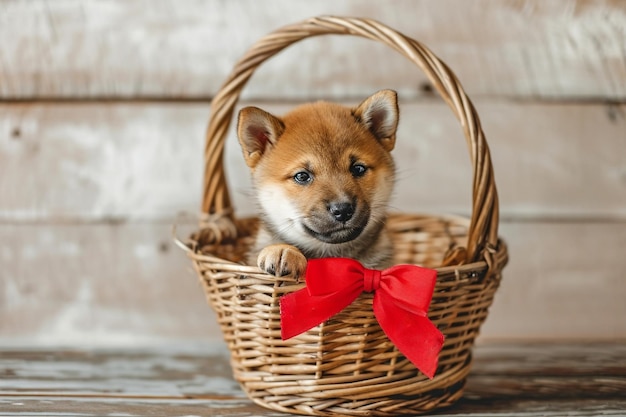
(342, 221)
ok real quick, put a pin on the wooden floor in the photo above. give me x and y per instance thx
(507, 380)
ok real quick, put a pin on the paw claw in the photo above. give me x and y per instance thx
(282, 261)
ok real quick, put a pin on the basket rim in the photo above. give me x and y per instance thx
(193, 251)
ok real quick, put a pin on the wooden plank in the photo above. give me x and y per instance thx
(551, 379)
(100, 162)
(537, 408)
(185, 48)
(506, 380)
(106, 285)
(67, 162)
(198, 370)
(92, 407)
(558, 359)
(126, 284)
(559, 282)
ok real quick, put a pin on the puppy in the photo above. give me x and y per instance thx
(323, 175)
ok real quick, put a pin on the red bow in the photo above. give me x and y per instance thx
(402, 295)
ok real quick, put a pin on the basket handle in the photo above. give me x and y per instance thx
(483, 230)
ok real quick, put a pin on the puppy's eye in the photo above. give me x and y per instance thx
(358, 170)
(303, 177)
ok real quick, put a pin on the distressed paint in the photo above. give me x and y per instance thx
(104, 294)
(563, 281)
(94, 162)
(185, 48)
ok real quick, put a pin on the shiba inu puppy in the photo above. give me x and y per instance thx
(323, 175)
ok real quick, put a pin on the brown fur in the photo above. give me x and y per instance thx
(323, 176)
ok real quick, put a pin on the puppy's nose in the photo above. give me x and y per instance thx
(341, 211)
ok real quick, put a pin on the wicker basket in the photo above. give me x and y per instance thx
(347, 365)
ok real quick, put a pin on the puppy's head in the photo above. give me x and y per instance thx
(323, 173)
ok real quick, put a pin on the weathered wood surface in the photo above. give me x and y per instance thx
(506, 380)
(127, 284)
(97, 161)
(185, 48)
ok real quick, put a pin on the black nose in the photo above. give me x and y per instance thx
(341, 211)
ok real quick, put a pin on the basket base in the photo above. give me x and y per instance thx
(376, 406)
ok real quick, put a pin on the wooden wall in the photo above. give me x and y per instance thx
(103, 107)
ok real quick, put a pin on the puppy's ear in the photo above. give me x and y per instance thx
(257, 129)
(379, 113)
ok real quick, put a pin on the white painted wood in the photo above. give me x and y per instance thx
(95, 161)
(88, 189)
(99, 285)
(185, 48)
(563, 280)
(128, 285)
(143, 161)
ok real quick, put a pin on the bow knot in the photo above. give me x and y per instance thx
(402, 296)
(371, 279)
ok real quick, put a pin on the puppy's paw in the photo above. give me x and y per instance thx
(282, 260)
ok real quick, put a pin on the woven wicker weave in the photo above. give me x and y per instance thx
(347, 365)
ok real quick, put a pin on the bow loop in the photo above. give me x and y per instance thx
(402, 296)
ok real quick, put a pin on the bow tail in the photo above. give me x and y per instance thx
(414, 335)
